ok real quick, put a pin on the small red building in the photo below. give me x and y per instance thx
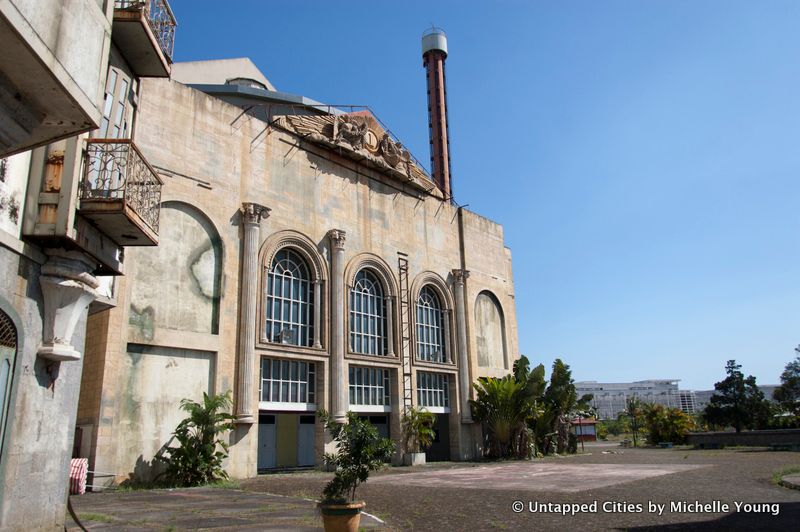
(584, 429)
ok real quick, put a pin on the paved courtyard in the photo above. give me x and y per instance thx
(197, 509)
(637, 489)
(544, 476)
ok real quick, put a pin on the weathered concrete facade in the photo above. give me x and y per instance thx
(37, 442)
(68, 208)
(184, 304)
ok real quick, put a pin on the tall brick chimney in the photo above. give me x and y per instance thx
(434, 53)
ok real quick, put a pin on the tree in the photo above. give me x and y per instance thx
(198, 459)
(666, 424)
(788, 393)
(506, 406)
(633, 411)
(418, 433)
(617, 426)
(739, 403)
(360, 450)
(559, 402)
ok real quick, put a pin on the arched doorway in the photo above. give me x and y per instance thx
(8, 353)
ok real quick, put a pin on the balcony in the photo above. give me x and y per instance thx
(50, 54)
(120, 193)
(144, 31)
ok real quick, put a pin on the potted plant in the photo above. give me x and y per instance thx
(360, 450)
(418, 434)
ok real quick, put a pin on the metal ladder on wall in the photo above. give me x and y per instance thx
(405, 330)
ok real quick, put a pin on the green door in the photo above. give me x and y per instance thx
(8, 352)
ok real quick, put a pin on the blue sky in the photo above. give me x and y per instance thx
(642, 156)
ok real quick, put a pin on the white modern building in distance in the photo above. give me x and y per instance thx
(610, 397)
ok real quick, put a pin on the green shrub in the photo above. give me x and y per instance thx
(666, 424)
(418, 433)
(198, 458)
(360, 450)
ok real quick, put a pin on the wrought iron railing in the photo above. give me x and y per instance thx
(159, 17)
(115, 170)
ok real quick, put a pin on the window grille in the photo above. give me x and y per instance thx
(369, 386)
(433, 390)
(289, 307)
(430, 329)
(367, 316)
(287, 381)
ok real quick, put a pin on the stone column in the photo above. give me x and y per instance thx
(317, 312)
(338, 376)
(67, 289)
(459, 277)
(252, 214)
(389, 327)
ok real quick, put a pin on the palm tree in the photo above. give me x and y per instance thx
(198, 459)
(507, 406)
(418, 433)
(633, 409)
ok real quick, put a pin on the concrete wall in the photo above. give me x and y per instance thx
(158, 378)
(187, 268)
(214, 158)
(13, 185)
(52, 69)
(38, 440)
(73, 34)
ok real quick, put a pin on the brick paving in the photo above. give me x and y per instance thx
(619, 491)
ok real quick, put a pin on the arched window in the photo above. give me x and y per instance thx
(290, 300)
(367, 315)
(490, 332)
(430, 327)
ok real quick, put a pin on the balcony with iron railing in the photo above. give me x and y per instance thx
(120, 193)
(144, 31)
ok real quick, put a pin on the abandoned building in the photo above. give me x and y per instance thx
(75, 192)
(226, 236)
(306, 260)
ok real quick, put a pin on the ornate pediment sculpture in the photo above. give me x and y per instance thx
(356, 135)
(347, 129)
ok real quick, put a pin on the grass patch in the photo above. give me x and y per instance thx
(791, 470)
(226, 485)
(136, 485)
(90, 516)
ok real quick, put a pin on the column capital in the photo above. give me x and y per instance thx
(459, 276)
(253, 213)
(338, 238)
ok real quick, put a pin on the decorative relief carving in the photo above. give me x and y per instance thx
(394, 154)
(253, 213)
(360, 136)
(347, 129)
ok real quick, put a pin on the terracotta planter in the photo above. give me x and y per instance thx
(341, 517)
